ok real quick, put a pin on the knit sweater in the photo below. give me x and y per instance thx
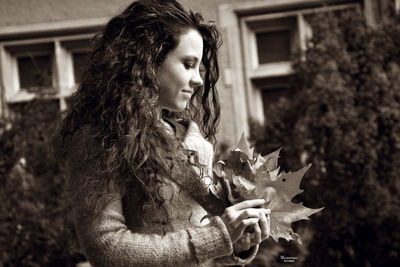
(170, 234)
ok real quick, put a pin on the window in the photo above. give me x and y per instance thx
(78, 54)
(81, 63)
(272, 90)
(35, 71)
(271, 40)
(33, 67)
(273, 46)
(43, 68)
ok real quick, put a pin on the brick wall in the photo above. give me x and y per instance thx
(21, 12)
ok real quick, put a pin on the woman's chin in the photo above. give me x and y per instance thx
(180, 106)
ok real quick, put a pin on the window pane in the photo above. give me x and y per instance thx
(81, 62)
(35, 71)
(273, 46)
(271, 96)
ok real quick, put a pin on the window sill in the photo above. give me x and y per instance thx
(25, 96)
(21, 96)
(272, 70)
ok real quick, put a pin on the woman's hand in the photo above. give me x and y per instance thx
(245, 242)
(238, 217)
(248, 240)
(260, 233)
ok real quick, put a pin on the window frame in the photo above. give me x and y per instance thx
(56, 34)
(62, 69)
(30, 51)
(253, 69)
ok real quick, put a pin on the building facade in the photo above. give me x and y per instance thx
(44, 46)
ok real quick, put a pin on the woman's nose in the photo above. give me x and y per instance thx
(196, 79)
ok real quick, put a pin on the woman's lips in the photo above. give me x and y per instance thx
(188, 91)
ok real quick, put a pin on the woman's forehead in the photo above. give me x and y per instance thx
(190, 44)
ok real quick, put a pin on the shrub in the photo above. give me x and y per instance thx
(34, 223)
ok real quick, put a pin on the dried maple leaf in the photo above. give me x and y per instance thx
(248, 177)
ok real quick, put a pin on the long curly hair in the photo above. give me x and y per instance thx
(117, 98)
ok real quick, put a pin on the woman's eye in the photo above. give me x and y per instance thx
(188, 65)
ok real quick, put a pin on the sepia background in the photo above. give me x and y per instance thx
(320, 78)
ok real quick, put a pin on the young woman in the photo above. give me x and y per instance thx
(135, 141)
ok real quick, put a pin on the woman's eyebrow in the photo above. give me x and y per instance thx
(192, 58)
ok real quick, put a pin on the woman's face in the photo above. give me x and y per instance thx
(179, 74)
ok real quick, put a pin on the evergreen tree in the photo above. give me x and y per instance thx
(343, 116)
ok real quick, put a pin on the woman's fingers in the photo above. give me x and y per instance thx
(238, 217)
(243, 244)
(267, 211)
(242, 226)
(261, 230)
(250, 213)
(265, 226)
(248, 204)
(248, 244)
(257, 233)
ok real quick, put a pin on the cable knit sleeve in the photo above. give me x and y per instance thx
(243, 258)
(107, 241)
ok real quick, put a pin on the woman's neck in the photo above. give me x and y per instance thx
(168, 127)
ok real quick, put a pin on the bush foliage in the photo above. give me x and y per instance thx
(34, 226)
(343, 116)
